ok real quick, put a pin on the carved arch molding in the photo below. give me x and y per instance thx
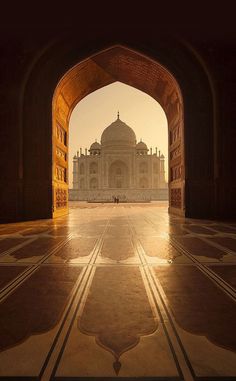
(132, 68)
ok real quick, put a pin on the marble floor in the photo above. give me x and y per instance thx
(118, 292)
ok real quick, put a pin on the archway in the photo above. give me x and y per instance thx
(198, 150)
(128, 66)
(118, 175)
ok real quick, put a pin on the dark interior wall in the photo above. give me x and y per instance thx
(226, 83)
(31, 66)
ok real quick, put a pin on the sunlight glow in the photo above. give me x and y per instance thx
(99, 109)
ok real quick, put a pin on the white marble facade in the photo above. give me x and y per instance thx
(118, 167)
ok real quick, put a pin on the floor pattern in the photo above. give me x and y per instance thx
(118, 292)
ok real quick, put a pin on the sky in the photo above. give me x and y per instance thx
(99, 109)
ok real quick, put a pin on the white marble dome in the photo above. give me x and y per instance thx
(141, 146)
(95, 146)
(118, 133)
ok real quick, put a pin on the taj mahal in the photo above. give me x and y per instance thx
(118, 167)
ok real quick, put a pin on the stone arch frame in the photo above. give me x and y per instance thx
(124, 171)
(143, 167)
(197, 181)
(155, 168)
(82, 183)
(143, 182)
(93, 167)
(107, 67)
(93, 183)
(81, 169)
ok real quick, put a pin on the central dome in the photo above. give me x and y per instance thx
(118, 133)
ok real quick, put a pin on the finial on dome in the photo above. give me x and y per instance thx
(96, 140)
(118, 115)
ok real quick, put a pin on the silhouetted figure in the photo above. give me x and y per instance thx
(117, 200)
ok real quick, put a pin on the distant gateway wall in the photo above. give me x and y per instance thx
(124, 195)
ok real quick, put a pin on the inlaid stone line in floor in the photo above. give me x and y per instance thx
(228, 242)
(35, 230)
(95, 253)
(179, 355)
(33, 252)
(226, 272)
(199, 249)
(203, 319)
(54, 356)
(208, 232)
(207, 271)
(132, 293)
(117, 245)
(190, 230)
(228, 367)
(6, 230)
(77, 250)
(123, 327)
(199, 230)
(9, 274)
(193, 362)
(200, 225)
(218, 231)
(221, 246)
(28, 272)
(14, 246)
(224, 228)
(165, 231)
(158, 248)
(37, 327)
(224, 244)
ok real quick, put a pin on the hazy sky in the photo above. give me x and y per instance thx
(99, 109)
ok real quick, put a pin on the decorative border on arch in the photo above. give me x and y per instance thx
(61, 198)
(175, 197)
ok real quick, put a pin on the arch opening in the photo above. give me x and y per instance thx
(104, 135)
(130, 67)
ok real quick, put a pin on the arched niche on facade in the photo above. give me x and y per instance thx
(143, 167)
(82, 183)
(93, 183)
(143, 182)
(118, 175)
(93, 167)
(81, 169)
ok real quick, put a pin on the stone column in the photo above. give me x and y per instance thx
(107, 174)
(151, 173)
(162, 171)
(75, 173)
(134, 169)
(86, 171)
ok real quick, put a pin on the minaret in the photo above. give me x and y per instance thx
(75, 173)
(162, 171)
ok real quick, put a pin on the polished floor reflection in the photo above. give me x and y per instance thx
(118, 291)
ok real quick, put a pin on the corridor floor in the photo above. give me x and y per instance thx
(118, 292)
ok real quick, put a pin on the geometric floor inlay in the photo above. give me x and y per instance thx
(118, 292)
